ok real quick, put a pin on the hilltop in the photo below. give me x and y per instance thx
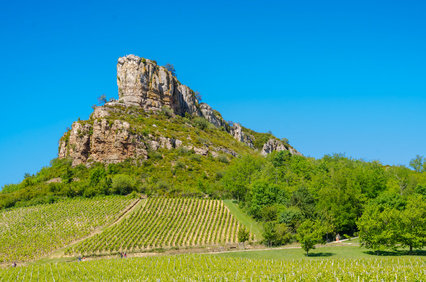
(130, 128)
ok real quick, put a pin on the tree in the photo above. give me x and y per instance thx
(171, 69)
(412, 223)
(281, 158)
(102, 99)
(303, 199)
(379, 228)
(243, 235)
(275, 234)
(418, 163)
(122, 184)
(404, 178)
(239, 174)
(198, 96)
(285, 141)
(96, 175)
(310, 233)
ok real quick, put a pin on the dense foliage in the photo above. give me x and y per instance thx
(392, 221)
(209, 268)
(283, 191)
(29, 233)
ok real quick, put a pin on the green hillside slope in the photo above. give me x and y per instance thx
(170, 172)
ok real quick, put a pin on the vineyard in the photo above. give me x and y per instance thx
(162, 222)
(209, 268)
(32, 232)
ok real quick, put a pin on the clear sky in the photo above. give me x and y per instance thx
(331, 76)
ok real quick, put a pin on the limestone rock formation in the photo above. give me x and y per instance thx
(141, 82)
(237, 132)
(275, 145)
(144, 86)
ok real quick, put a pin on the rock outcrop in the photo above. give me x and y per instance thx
(142, 84)
(275, 145)
(237, 132)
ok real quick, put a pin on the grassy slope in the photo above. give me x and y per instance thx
(249, 222)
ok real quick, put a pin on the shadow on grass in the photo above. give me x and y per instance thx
(320, 255)
(396, 253)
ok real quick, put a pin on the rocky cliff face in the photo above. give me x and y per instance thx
(141, 82)
(143, 85)
(275, 145)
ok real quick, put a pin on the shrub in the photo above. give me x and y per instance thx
(195, 157)
(122, 184)
(201, 123)
(167, 111)
(222, 158)
(179, 165)
(182, 151)
(163, 185)
(155, 155)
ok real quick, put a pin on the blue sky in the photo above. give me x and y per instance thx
(331, 76)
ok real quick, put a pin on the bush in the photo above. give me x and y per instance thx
(201, 123)
(163, 186)
(179, 165)
(223, 159)
(155, 155)
(195, 157)
(182, 151)
(167, 111)
(122, 184)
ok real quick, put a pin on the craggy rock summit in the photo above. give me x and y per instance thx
(141, 82)
(143, 85)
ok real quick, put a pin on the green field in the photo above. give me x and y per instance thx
(347, 250)
(217, 268)
(33, 232)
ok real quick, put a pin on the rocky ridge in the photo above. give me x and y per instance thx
(145, 86)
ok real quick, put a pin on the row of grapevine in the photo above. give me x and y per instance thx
(162, 222)
(216, 268)
(32, 232)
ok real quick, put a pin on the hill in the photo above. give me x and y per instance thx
(157, 139)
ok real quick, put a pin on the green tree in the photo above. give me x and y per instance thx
(96, 175)
(418, 163)
(412, 222)
(122, 184)
(243, 235)
(310, 233)
(67, 176)
(379, 227)
(281, 158)
(303, 199)
(240, 173)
